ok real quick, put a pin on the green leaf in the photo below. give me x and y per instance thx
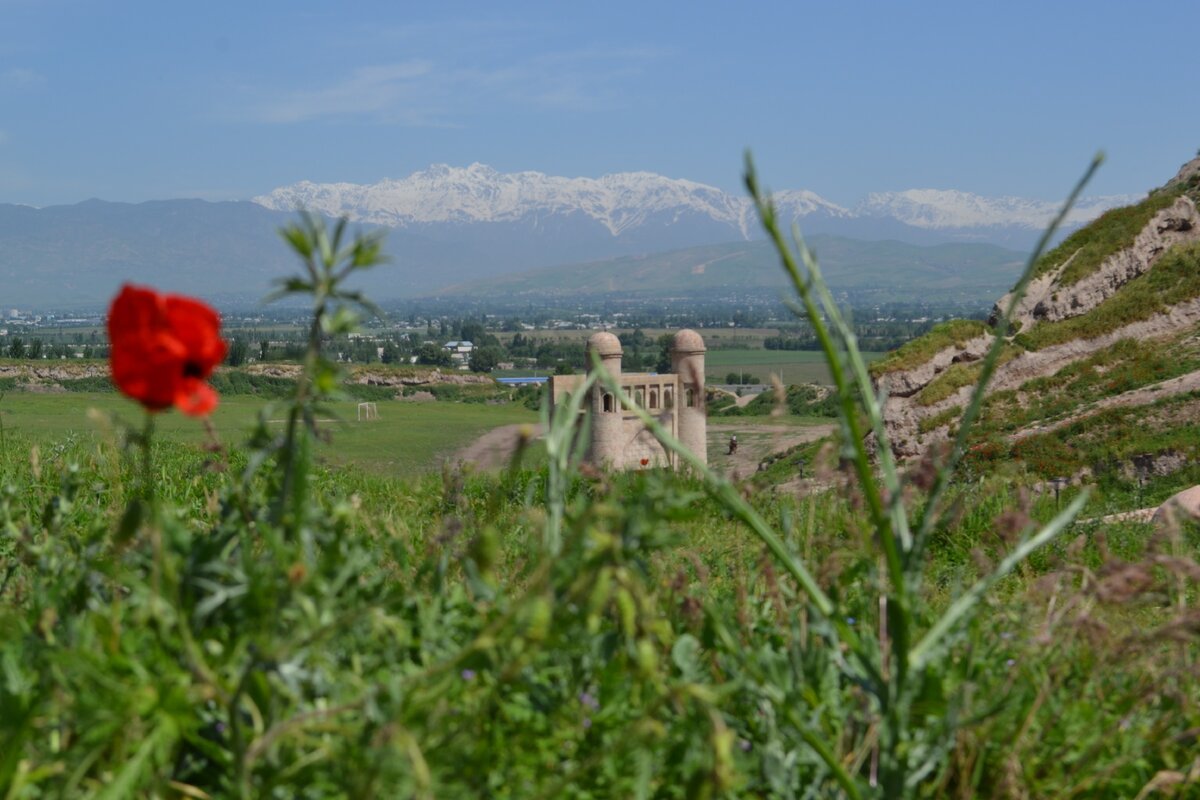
(686, 656)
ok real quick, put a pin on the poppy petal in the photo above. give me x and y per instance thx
(196, 398)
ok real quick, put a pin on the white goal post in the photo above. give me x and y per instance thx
(367, 411)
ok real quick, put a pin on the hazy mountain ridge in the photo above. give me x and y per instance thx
(80, 254)
(888, 269)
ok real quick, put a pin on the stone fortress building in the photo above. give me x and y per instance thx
(619, 440)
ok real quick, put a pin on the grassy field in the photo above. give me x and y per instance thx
(793, 366)
(408, 438)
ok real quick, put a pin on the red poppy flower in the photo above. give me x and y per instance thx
(645, 461)
(163, 347)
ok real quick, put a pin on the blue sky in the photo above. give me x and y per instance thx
(221, 100)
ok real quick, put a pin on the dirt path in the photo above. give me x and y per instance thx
(495, 448)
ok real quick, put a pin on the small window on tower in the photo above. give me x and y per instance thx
(691, 398)
(668, 399)
(608, 403)
(654, 398)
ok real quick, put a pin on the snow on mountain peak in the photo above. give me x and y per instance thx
(948, 208)
(625, 201)
(478, 193)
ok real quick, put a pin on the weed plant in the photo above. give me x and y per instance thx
(184, 622)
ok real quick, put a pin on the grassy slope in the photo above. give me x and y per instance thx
(1099, 441)
(1174, 279)
(954, 333)
(1127, 365)
(1110, 233)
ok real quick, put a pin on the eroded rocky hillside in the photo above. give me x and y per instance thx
(1102, 368)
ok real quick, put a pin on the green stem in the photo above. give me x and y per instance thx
(148, 483)
(303, 392)
(821, 748)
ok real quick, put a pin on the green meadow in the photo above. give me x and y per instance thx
(793, 366)
(408, 439)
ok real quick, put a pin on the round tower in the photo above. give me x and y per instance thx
(687, 361)
(606, 445)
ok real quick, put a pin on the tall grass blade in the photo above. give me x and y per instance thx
(932, 643)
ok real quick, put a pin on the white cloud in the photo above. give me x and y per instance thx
(419, 92)
(368, 90)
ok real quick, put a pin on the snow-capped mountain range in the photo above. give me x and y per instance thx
(627, 204)
(453, 227)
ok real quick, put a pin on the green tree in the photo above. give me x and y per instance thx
(35, 349)
(664, 353)
(485, 359)
(238, 350)
(471, 331)
(431, 355)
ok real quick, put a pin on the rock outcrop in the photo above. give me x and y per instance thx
(49, 373)
(374, 376)
(1185, 504)
(1187, 172)
(46, 372)
(906, 383)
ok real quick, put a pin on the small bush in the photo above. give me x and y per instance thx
(944, 417)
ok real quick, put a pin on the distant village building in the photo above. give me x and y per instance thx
(619, 440)
(460, 353)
